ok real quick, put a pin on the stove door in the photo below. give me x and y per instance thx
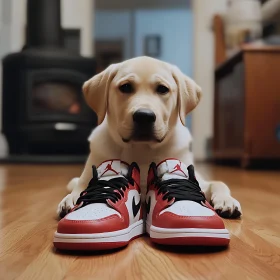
(55, 95)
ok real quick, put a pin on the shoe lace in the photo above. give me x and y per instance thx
(99, 191)
(181, 189)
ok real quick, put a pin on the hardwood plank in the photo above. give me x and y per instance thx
(29, 195)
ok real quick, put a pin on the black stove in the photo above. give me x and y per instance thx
(45, 117)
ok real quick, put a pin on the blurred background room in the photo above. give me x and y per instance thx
(49, 48)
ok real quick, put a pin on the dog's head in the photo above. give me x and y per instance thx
(142, 97)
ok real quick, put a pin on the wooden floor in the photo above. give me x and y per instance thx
(29, 196)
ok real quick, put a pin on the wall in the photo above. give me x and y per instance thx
(175, 26)
(118, 24)
(6, 38)
(79, 14)
(176, 30)
(114, 25)
(203, 120)
(74, 14)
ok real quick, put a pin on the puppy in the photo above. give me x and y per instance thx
(142, 104)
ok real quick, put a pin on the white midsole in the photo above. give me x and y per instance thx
(156, 232)
(123, 235)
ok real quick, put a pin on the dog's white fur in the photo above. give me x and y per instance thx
(112, 138)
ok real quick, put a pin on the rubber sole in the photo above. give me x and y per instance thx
(189, 236)
(99, 241)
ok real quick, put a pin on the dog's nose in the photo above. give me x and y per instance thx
(144, 116)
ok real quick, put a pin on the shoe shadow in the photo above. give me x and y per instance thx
(188, 249)
(86, 253)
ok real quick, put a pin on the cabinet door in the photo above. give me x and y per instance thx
(229, 113)
(263, 104)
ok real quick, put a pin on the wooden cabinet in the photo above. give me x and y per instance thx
(247, 105)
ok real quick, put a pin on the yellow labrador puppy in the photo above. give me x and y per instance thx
(163, 94)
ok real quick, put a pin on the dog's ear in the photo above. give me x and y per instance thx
(96, 91)
(189, 93)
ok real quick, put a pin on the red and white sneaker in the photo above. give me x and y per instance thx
(108, 214)
(177, 210)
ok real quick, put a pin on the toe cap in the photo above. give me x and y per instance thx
(188, 214)
(107, 224)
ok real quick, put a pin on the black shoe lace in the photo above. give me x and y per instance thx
(180, 189)
(98, 190)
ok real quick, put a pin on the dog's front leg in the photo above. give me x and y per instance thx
(218, 194)
(76, 185)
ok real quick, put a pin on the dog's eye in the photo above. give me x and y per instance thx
(126, 88)
(162, 89)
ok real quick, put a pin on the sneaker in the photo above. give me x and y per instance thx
(108, 214)
(177, 210)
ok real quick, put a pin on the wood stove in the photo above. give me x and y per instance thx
(45, 117)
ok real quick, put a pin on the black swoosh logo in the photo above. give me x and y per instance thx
(135, 207)
(148, 206)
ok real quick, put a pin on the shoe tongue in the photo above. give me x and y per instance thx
(112, 169)
(172, 169)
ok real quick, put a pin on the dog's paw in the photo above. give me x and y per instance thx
(66, 204)
(226, 206)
